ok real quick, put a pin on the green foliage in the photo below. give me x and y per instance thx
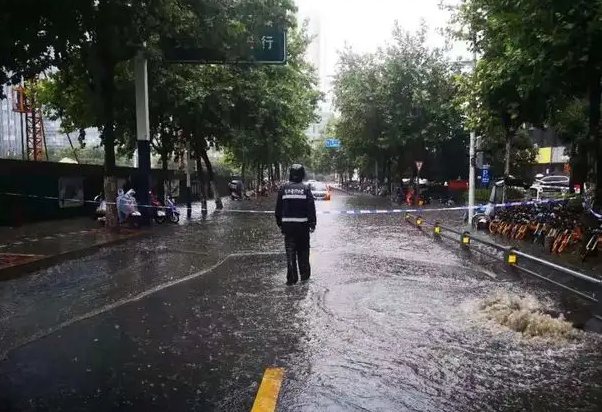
(538, 65)
(85, 155)
(397, 107)
(258, 114)
(481, 196)
(328, 160)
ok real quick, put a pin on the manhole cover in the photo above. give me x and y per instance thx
(13, 259)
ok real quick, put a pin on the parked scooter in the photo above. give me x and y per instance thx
(480, 220)
(101, 208)
(127, 209)
(171, 210)
(158, 211)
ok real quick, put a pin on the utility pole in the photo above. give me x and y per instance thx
(143, 135)
(188, 184)
(472, 151)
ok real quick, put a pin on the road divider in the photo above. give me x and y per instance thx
(517, 261)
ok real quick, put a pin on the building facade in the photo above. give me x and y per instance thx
(13, 139)
(552, 157)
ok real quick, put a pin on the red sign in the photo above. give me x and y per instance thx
(418, 165)
(577, 189)
(458, 184)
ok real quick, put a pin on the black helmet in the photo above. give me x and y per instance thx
(296, 173)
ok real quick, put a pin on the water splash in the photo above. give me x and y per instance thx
(528, 316)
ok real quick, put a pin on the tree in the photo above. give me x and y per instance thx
(397, 107)
(194, 107)
(278, 104)
(545, 52)
(329, 160)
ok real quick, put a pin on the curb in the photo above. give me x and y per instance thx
(21, 269)
(338, 189)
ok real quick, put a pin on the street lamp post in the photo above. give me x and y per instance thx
(472, 149)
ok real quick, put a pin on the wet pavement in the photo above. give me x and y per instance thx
(189, 318)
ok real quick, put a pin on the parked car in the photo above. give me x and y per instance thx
(549, 186)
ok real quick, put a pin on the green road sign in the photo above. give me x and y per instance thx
(268, 47)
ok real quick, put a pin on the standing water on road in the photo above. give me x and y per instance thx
(390, 321)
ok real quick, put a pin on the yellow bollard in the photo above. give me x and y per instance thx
(465, 239)
(511, 258)
(436, 230)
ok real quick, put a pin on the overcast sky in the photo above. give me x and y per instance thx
(367, 24)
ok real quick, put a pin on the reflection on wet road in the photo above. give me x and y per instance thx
(189, 319)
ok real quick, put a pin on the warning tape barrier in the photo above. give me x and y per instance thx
(321, 212)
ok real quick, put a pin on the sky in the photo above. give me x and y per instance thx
(367, 24)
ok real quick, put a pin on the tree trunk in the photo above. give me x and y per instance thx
(508, 149)
(259, 173)
(595, 155)
(107, 91)
(211, 177)
(161, 193)
(578, 164)
(508, 153)
(201, 176)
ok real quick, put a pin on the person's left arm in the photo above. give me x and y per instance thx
(311, 209)
(278, 212)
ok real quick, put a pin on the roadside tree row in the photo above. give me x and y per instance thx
(397, 106)
(539, 66)
(80, 54)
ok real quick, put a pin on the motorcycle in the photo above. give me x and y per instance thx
(480, 219)
(172, 210)
(159, 213)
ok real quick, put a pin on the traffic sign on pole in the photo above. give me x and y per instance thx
(485, 176)
(333, 143)
(266, 47)
(419, 164)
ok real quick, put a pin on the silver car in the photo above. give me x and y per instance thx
(319, 190)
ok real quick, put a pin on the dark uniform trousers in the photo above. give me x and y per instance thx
(296, 244)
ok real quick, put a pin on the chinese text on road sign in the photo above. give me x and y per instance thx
(267, 47)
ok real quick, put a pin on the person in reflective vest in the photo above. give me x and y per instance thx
(296, 218)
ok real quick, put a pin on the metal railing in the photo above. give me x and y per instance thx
(516, 260)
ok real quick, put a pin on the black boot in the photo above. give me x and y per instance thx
(304, 266)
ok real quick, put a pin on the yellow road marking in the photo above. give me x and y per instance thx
(267, 395)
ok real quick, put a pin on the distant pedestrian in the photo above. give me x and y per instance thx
(296, 218)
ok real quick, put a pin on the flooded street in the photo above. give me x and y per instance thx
(189, 318)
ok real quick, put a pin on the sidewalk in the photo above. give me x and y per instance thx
(570, 259)
(36, 246)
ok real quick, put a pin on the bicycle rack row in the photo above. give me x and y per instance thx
(514, 260)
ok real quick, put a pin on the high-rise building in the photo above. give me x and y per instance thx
(10, 127)
(316, 55)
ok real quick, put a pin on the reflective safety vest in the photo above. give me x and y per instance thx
(295, 205)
